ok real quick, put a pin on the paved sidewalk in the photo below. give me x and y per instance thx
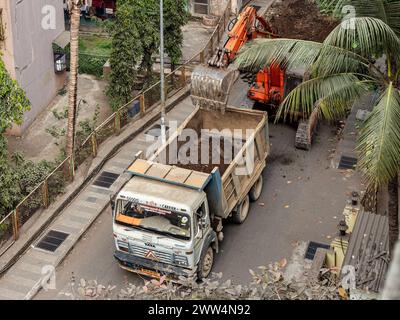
(24, 279)
(348, 142)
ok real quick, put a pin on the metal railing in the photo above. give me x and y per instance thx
(53, 185)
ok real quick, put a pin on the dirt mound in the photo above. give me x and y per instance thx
(300, 19)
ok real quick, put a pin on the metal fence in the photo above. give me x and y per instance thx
(48, 190)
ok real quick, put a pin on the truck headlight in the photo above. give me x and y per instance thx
(123, 246)
(181, 260)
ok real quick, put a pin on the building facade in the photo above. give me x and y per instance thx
(212, 7)
(29, 29)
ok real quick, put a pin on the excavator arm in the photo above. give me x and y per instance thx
(211, 84)
(248, 26)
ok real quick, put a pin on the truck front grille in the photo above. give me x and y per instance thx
(152, 254)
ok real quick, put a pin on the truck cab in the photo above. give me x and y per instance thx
(163, 229)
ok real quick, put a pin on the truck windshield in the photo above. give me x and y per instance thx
(162, 221)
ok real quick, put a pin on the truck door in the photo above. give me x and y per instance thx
(201, 229)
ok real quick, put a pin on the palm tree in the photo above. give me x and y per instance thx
(343, 69)
(74, 8)
(386, 10)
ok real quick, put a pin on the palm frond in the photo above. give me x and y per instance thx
(363, 8)
(333, 60)
(332, 7)
(393, 15)
(379, 140)
(293, 53)
(289, 53)
(334, 94)
(369, 37)
(387, 11)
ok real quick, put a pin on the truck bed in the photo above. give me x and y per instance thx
(217, 124)
(228, 182)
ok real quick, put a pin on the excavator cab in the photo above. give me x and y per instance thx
(269, 87)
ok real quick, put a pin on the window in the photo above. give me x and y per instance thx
(153, 219)
(201, 6)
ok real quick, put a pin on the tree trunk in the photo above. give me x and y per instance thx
(73, 80)
(393, 214)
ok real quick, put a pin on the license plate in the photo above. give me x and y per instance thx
(151, 273)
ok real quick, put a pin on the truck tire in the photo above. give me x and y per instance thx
(242, 212)
(255, 191)
(206, 263)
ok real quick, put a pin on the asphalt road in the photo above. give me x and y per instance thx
(302, 200)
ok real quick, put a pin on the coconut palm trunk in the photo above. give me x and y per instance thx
(73, 78)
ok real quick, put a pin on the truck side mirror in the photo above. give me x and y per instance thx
(202, 223)
(112, 203)
(200, 230)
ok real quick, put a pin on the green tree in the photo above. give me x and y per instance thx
(344, 68)
(10, 192)
(136, 40)
(125, 55)
(13, 104)
(176, 16)
(13, 101)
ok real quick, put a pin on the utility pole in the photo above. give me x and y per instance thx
(162, 82)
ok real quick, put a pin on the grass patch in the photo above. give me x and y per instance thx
(94, 45)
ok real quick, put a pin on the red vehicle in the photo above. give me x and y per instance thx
(104, 8)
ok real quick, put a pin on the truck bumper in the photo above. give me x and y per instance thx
(152, 268)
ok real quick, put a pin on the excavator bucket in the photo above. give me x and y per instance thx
(211, 86)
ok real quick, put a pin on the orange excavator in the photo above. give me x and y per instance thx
(212, 82)
(269, 87)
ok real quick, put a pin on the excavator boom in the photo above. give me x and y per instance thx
(210, 84)
(247, 26)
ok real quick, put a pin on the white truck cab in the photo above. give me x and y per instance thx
(163, 229)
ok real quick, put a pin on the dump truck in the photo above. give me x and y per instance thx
(168, 218)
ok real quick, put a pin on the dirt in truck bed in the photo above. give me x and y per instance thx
(218, 138)
(300, 19)
(215, 155)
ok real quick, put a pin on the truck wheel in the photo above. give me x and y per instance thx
(255, 191)
(206, 264)
(242, 212)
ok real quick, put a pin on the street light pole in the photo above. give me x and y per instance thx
(162, 82)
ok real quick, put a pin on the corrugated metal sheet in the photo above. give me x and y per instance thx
(368, 251)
